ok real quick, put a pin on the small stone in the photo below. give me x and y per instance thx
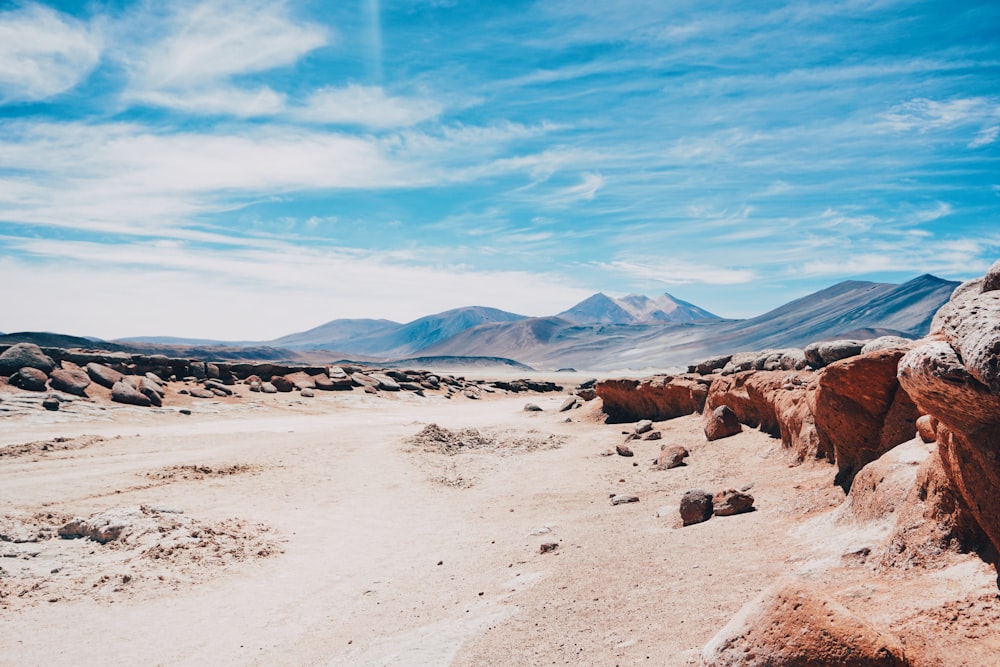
(671, 456)
(532, 407)
(623, 450)
(51, 403)
(568, 404)
(643, 426)
(548, 547)
(652, 435)
(623, 500)
(696, 506)
(307, 393)
(731, 501)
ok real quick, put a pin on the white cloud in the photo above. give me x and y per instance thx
(366, 106)
(208, 44)
(43, 53)
(923, 115)
(223, 294)
(985, 137)
(673, 272)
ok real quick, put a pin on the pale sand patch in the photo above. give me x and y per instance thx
(363, 526)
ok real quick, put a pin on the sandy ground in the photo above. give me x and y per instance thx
(316, 532)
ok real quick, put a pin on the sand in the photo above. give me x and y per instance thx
(289, 531)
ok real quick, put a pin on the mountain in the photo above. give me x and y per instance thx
(633, 309)
(335, 334)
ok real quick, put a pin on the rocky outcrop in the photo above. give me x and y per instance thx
(656, 398)
(860, 411)
(720, 423)
(823, 353)
(25, 355)
(789, 625)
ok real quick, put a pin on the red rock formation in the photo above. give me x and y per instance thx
(791, 626)
(720, 423)
(860, 411)
(657, 398)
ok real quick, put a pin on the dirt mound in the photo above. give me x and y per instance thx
(434, 438)
(119, 553)
(43, 446)
(197, 472)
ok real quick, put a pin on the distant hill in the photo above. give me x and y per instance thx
(633, 309)
(334, 334)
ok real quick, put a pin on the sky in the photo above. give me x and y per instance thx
(244, 170)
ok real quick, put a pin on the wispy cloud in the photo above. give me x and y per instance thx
(43, 53)
(675, 272)
(367, 106)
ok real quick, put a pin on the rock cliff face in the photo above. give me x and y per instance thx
(656, 398)
(955, 377)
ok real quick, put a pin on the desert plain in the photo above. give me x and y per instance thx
(273, 529)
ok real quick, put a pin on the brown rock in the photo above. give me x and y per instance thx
(72, 381)
(731, 501)
(927, 428)
(671, 456)
(103, 375)
(301, 380)
(123, 392)
(656, 398)
(791, 626)
(652, 435)
(282, 383)
(30, 379)
(623, 450)
(721, 422)
(861, 412)
(696, 506)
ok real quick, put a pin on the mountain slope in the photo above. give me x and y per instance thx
(633, 309)
(334, 335)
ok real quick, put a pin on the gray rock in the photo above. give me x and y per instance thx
(201, 392)
(696, 506)
(823, 353)
(624, 500)
(307, 393)
(991, 281)
(569, 404)
(216, 385)
(532, 407)
(971, 325)
(268, 388)
(51, 403)
(709, 366)
(25, 355)
(887, 343)
(643, 426)
(385, 383)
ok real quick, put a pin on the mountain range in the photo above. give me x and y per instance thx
(608, 333)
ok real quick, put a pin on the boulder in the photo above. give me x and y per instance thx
(927, 428)
(656, 398)
(569, 404)
(51, 403)
(103, 375)
(709, 366)
(25, 355)
(71, 381)
(201, 392)
(643, 426)
(532, 407)
(731, 501)
(821, 354)
(970, 323)
(968, 429)
(991, 281)
(301, 380)
(624, 450)
(385, 383)
(282, 383)
(268, 388)
(363, 380)
(721, 422)
(216, 386)
(307, 393)
(123, 392)
(887, 343)
(30, 379)
(861, 412)
(671, 456)
(696, 506)
(789, 625)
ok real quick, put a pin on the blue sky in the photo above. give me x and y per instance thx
(243, 170)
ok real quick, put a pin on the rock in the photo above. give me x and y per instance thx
(739, 362)
(307, 393)
(657, 398)
(301, 380)
(385, 383)
(30, 379)
(623, 450)
(821, 354)
(569, 404)
(624, 500)
(696, 506)
(123, 392)
(787, 359)
(587, 384)
(531, 407)
(363, 380)
(200, 392)
(548, 547)
(643, 426)
(991, 281)
(791, 626)
(471, 392)
(861, 412)
(103, 375)
(970, 323)
(216, 386)
(282, 384)
(671, 456)
(653, 435)
(51, 403)
(887, 343)
(72, 381)
(268, 388)
(927, 428)
(709, 366)
(25, 355)
(586, 394)
(721, 422)
(151, 390)
(968, 429)
(731, 501)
